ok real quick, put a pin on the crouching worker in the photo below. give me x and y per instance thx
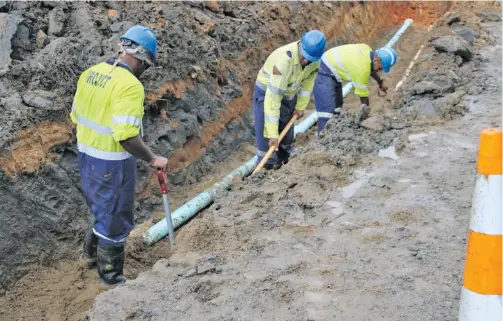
(348, 63)
(108, 110)
(282, 90)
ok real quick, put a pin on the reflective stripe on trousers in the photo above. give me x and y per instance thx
(286, 112)
(109, 190)
(327, 95)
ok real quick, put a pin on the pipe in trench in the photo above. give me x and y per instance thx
(160, 230)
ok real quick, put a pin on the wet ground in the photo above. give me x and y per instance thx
(368, 223)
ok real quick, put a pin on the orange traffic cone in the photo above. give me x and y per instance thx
(482, 289)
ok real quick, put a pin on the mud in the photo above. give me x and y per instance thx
(197, 106)
(340, 232)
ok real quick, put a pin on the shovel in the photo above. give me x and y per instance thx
(164, 191)
(271, 149)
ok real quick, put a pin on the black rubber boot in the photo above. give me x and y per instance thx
(283, 157)
(272, 166)
(111, 264)
(88, 258)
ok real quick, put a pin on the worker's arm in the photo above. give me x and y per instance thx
(276, 87)
(127, 113)
(137, 147)
(374, 74)
(306, 87)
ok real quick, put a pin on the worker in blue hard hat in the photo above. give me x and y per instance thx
(108, 111)
(348, 63)
(282, 89)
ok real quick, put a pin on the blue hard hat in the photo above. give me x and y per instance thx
(144, 37)
(312, 45)
(388, 57)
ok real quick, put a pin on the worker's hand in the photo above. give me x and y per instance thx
(273, 142)
(298, 113)
(383, 87)
(159, 161)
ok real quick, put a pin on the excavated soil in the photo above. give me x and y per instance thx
(367, 223)
(287, 245)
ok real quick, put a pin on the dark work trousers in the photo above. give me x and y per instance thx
(328, 99)
(286, 112)
(109, 190)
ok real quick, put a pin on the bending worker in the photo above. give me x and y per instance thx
(348, 63)
(108, 110)
(282, 90)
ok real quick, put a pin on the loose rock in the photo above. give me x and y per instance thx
(425, 87)
(373, 123)
(57, 20)
(451, 18)
(426, 107)
(41, 39)
(9, 25)
(490, 16)
(21, 43)
(467, 34)
(39, 99)
(453, 44)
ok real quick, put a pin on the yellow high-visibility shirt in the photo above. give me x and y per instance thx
(107, 108)
(293, 81)
(350, 63)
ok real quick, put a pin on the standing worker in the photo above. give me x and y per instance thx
(282, 90)
(108, 111)
(348, 63)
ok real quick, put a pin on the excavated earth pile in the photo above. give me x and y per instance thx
(197, 106)
(301, 243)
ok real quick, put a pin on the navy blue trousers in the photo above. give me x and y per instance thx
(286, 112)
(328, 97)
(109, 190)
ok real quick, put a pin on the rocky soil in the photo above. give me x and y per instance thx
(367, 223)
(197, 107)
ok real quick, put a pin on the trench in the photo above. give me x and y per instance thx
(62, 291)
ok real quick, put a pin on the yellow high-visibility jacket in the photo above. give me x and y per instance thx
(107, 108)
(293, 81)
(350, 63)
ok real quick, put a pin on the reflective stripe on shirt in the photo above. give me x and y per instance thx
(126, 119)
(93, 125)
(88, 150)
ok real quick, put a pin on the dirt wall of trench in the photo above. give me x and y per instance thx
(209, 54)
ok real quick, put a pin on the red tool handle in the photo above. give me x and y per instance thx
(162, 180)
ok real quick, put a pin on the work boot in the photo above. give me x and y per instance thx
(272, 166)
(337, 112)
(111, 264)
(88, 258)
(283, 158)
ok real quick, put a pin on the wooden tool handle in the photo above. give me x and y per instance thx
(271, 149)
